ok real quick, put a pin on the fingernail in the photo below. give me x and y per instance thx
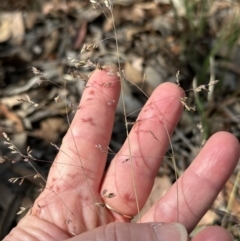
(170, 231)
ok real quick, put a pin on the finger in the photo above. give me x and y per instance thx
(36, 229)
(148, 141)
(79, 159)
(135, 232)
(213, 234)
(200, 184)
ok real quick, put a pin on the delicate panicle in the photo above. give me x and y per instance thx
(177, 78)
(184, 103)
(88, 47)
(28, 100)
(22, 209)
(108, 4)
(36, 71)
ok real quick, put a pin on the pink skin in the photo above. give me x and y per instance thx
(68, 204)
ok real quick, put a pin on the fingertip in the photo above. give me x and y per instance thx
(171, 89)
(226, 136)
(106, 74)
(218, 158)
(214, 233)
(227, 142)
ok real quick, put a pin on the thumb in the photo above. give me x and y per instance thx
(135, 232)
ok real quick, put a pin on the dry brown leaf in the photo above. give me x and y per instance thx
(18, 28)
(30, 19)
(132, 74)
(12, 27)
(208, 219)
(235, 207)
(51, 128)
(81, 35)
(13, 117)
(50, 43)
(52, 7)
(179, 6)
(5, 27)
(174, 46)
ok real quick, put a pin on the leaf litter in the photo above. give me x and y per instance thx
(152, 44)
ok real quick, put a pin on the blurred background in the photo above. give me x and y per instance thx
(198, 38)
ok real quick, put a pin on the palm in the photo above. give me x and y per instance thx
(73, 200)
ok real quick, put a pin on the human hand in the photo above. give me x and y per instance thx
(73, 200)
